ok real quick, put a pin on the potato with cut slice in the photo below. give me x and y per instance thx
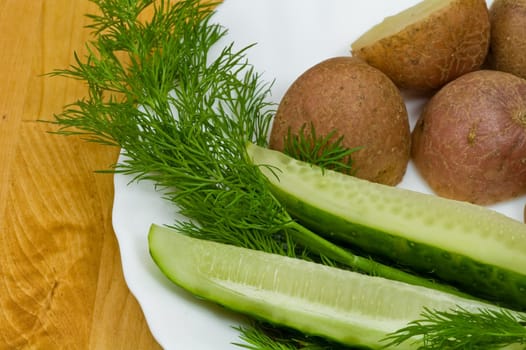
(427, 45)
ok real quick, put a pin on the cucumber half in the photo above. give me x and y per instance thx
(474, 248)
(341, 305)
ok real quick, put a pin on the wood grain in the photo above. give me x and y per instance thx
(60, 270)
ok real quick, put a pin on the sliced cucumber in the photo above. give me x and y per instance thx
(479, 250)
(345, 306)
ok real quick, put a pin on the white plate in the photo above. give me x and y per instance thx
(291, 36)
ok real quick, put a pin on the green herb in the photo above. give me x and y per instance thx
(182, 105)
(180, 118)
(325, 151)
(265, 336)
(464, 330)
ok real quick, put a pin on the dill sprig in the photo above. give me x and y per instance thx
(326, 151)
(461, 329)
(181, 119)
(264, 336)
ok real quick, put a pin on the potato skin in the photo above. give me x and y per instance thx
(360, 103)
(470, 141)
(428, 54)
(508, 36)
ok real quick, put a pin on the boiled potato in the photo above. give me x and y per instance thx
(470, 141)
(508, 36)
(358, 102)
(429, 44)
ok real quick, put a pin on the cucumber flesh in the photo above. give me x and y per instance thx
(477, 249)
(348, 307)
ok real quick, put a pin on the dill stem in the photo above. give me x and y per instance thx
(321, 246)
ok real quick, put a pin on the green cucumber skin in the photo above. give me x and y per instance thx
(481, 251)
(485, 281)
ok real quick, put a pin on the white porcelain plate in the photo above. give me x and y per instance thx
(290, 36)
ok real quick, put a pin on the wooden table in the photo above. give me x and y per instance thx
(61, 282)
